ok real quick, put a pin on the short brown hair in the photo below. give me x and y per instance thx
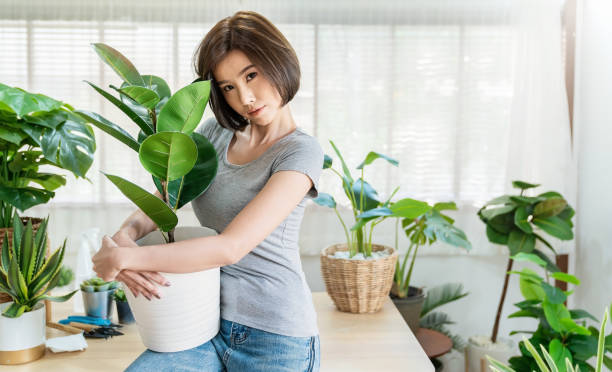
(264, 45)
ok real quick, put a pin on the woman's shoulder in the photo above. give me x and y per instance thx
(211, 128)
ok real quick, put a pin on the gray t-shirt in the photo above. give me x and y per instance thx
(266, 289)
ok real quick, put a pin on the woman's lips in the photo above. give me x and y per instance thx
(257, 112)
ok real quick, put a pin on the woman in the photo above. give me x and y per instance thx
(267, 169)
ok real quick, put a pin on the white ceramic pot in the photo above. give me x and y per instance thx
(188, 313)
(22, 339)
(478, 347)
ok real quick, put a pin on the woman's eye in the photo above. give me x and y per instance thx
(227, 88)
(251, 75)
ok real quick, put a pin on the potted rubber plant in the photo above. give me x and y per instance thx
(98, 297)
(183, 164)
(38, 136)
(518, 222)
(357, 273)
(562, 331)
(27, 276)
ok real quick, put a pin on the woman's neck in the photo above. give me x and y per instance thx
(280, 126)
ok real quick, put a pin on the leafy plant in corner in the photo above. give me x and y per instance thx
(437, 320)
(35, 131)
(182, 163)
(120, 295)
(26, 275)
(562, 332)
(517, 221)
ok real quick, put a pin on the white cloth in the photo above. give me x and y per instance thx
(67, 343)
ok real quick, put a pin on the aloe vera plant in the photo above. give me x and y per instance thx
(182, 163)
(25, 273)
(98, 285)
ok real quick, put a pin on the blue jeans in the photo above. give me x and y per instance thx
(238, 348)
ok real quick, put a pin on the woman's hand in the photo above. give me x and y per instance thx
(138, 282)
(108, 261)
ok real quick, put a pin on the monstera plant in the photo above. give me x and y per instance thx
(38, 131)
(182, 163)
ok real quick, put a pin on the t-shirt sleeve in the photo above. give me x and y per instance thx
(207, 127)
(305, 156)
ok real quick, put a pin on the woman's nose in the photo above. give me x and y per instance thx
(246, 96)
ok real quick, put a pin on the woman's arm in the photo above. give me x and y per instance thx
(281, 194)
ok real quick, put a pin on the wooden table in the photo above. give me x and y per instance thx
(349, 342)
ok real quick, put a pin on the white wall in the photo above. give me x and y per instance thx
(593, 139)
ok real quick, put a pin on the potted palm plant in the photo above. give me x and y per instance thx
(37, 132)
(357, 273)
(182, 164)
(518, 222)
(27, 276)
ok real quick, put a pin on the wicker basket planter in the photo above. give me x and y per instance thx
(358, 286)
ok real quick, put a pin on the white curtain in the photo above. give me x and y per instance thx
(467, 95)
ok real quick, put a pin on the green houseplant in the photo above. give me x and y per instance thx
(27, 276)
(183, 164)
(124, 313)
(561, 331)
(343, 265)
(98, 297)
(518, 222)
(555, 360)
(37, 130)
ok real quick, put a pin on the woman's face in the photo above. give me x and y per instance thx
(246, 89)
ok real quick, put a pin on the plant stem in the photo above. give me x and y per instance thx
(153, 119)
(501, 301)
(346, 233)
(407, 283)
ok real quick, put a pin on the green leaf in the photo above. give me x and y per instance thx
(550, 265)
(554, 295)
(442, 295)
(409, 208)
(581, 314)
(28, 253)
(110, 128)
(372, 155)
(150, 204)
(490, 213)
(503, 223)
(559, 353)
(63, 298)
(568, 325)
(438, 228)
(184, 110)
(525, 200)
(550, 194)
(554, 313)
(21, 102)
(523, 185)
(327, 161)
(565, 278)
(15, 310)
(376, 212)
(198, 179)
(142, 124)
(531, 257)
(141, 95)
(370, 196)
(48, 270)
(24, 198)
(40, 243)
(555, 227)
(345, 169)
(325, 200)
(443, 206)
(567, 214)
(158, 85)
(16, 279)
(550, 207)
(119, 63)
(11, 135)
(71, 145)
(518, 242)
(48, 181)
(496, 237)
(168, 155)
(529, 290)
(521, 219)
(5, 253)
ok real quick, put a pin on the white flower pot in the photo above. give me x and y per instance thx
(188, 313)
(478, 347)
(22, 339)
